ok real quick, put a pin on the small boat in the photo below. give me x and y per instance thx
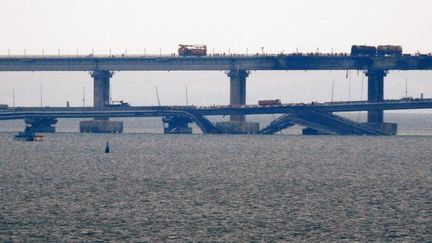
(28, 135)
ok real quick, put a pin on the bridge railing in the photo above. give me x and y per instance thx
(209, 55)
(122, 55)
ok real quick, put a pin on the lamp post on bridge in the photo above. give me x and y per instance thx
(157, 94)
(13, 96)
(83, 96)
(187, 98)
(40, 95)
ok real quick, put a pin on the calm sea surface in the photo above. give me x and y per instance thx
(156, 187)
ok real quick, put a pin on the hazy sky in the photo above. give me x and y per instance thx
(221, 24)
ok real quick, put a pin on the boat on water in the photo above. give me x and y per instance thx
(28, 135)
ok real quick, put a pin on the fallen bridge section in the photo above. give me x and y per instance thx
(277, 125)
(203, 123)
(322, 123)
(318, 118)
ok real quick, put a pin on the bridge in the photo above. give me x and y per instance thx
(294, 61)
(317, 117)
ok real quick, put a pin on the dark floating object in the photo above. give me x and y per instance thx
(107, 148)
(28, 135)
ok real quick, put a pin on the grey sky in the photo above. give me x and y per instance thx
(222, 24)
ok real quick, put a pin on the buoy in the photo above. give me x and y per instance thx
(107, 149)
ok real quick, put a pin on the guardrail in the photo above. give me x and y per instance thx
(50, 56)
(176, 55)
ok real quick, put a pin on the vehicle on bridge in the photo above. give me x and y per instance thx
(359, 51)
(119, 103)
(407, 98)
(192, 50)
(389, 50)
(372, 51)
(270, 102)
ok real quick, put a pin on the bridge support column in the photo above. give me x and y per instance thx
(101, 126)
(237, 91)
(101, 95)
(376, 93)
(375, 118)
(311, 131)
(176, 125)
(41, 124)
(238, 123)
(101, 88)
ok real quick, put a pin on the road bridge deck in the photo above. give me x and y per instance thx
(157, 111)
(215, 63)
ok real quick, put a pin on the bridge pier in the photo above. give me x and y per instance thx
(375, 118)
(238, 123)
(101, 126)
(237, 91)
(41, 124)
(375, 94)
(312, 131)
(177, 125)
(101, 88)
(101, 95)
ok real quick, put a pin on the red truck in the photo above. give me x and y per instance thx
(192, 50)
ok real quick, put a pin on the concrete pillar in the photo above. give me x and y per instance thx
(376, 93)
(177, 125)
(101, 96)
(237, 90)
(41, 124)
(101, 88)
(237, 123)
